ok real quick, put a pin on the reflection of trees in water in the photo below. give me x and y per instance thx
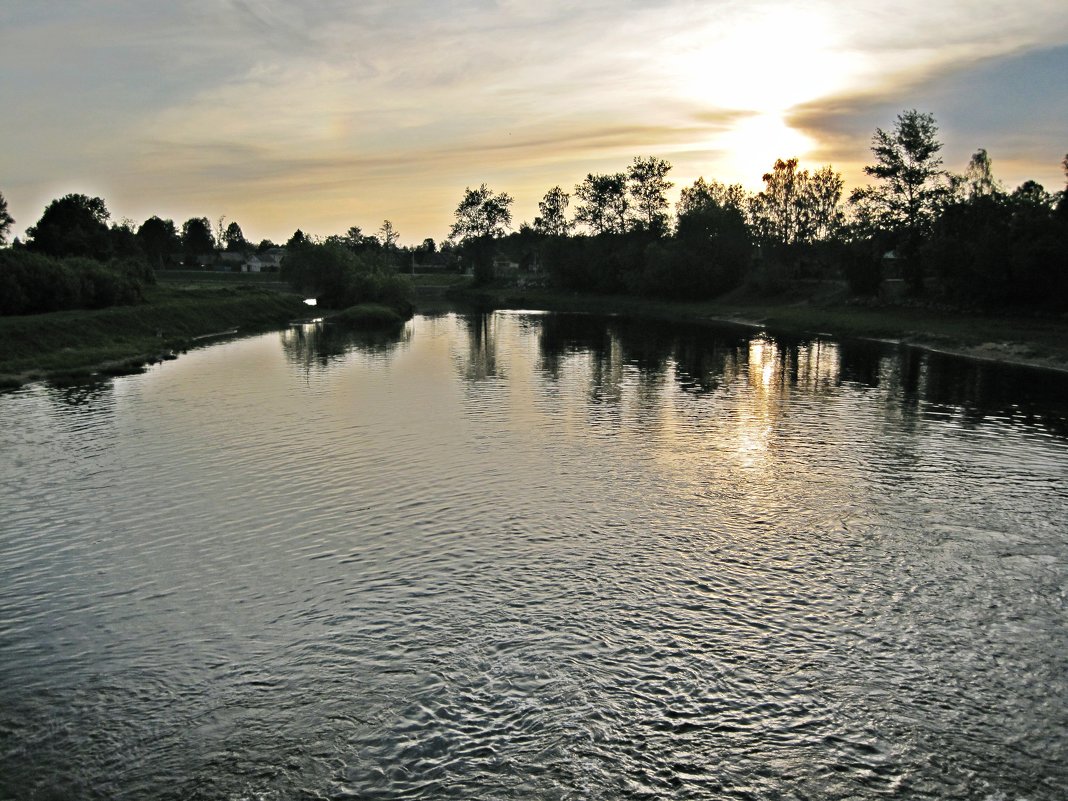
(95, 393)
(317, 345)
(480, 362)
(614, 354)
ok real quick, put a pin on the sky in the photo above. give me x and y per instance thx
(324, 114)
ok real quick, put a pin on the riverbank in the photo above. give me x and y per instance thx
(821, 310)
(74, 345)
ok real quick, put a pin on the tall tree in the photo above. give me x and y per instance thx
(482, 213)
(159, 239)
(196, 237)
(553, 217)
(648, 186)
(909, 167)
(978, 179)
(604, 204)
(73, 225)
(234, 237)
(821, 204)
(6, 220)
(778, 207)
(388, 234)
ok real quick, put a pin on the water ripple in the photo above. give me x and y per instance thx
(535, 557)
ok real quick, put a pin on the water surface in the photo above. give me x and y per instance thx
(537, 556)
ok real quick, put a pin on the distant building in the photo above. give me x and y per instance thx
(270, 261)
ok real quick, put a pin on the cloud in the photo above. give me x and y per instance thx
(324, 108)
(1014, 104)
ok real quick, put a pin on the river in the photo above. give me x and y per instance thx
(536, 556)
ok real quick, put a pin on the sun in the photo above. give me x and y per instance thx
(752, 69)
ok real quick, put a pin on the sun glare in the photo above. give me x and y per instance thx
(752, 145)
(759, 66)
(753, 65)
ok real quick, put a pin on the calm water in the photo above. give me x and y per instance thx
(539, 557)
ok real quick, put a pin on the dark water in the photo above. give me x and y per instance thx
(535, 556)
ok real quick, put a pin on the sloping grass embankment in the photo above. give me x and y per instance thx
(73, 344)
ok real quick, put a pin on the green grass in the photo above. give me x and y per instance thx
(123, 338)
(213, 277)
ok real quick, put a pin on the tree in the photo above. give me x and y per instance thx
(648, 188)
(482, 213)
(821, 205)
(388, 234)
(778, 208)
(908, 164)
(297, 240)
(354, 238)
(553, 218)
(234, 238)
(604, 203)
(159, 239)
(196, 237)
(702, 193)
(73, 225)
(6, 220)
(978, 179)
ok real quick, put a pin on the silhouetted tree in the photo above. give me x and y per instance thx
(701, 193)
(978, 179)
(388, 234)
(709, 254)
(910, 168)
(196, 237)
(354, 238)
(604, 204)
(159, 240)
(482, 216)
(912, 186)
(798, 207)
(777, 210)
(6, 220)
(234, 237)
(482, 213)
(648, 188)
(298, 240)
(552, 219)
(74, 225)
(821, 205)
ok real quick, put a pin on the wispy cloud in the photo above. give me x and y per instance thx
(328, 109)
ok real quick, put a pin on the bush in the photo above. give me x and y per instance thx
(368, 316)
(339, 278)
(31, 283)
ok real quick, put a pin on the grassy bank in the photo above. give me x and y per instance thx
(1014, 338)
(123, 338)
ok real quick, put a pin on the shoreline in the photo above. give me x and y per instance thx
(1017, 340)
(81, 345)
(76, 346)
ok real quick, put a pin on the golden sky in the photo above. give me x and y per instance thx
(322, 114)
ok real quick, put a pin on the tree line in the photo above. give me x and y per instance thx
(957, 238)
